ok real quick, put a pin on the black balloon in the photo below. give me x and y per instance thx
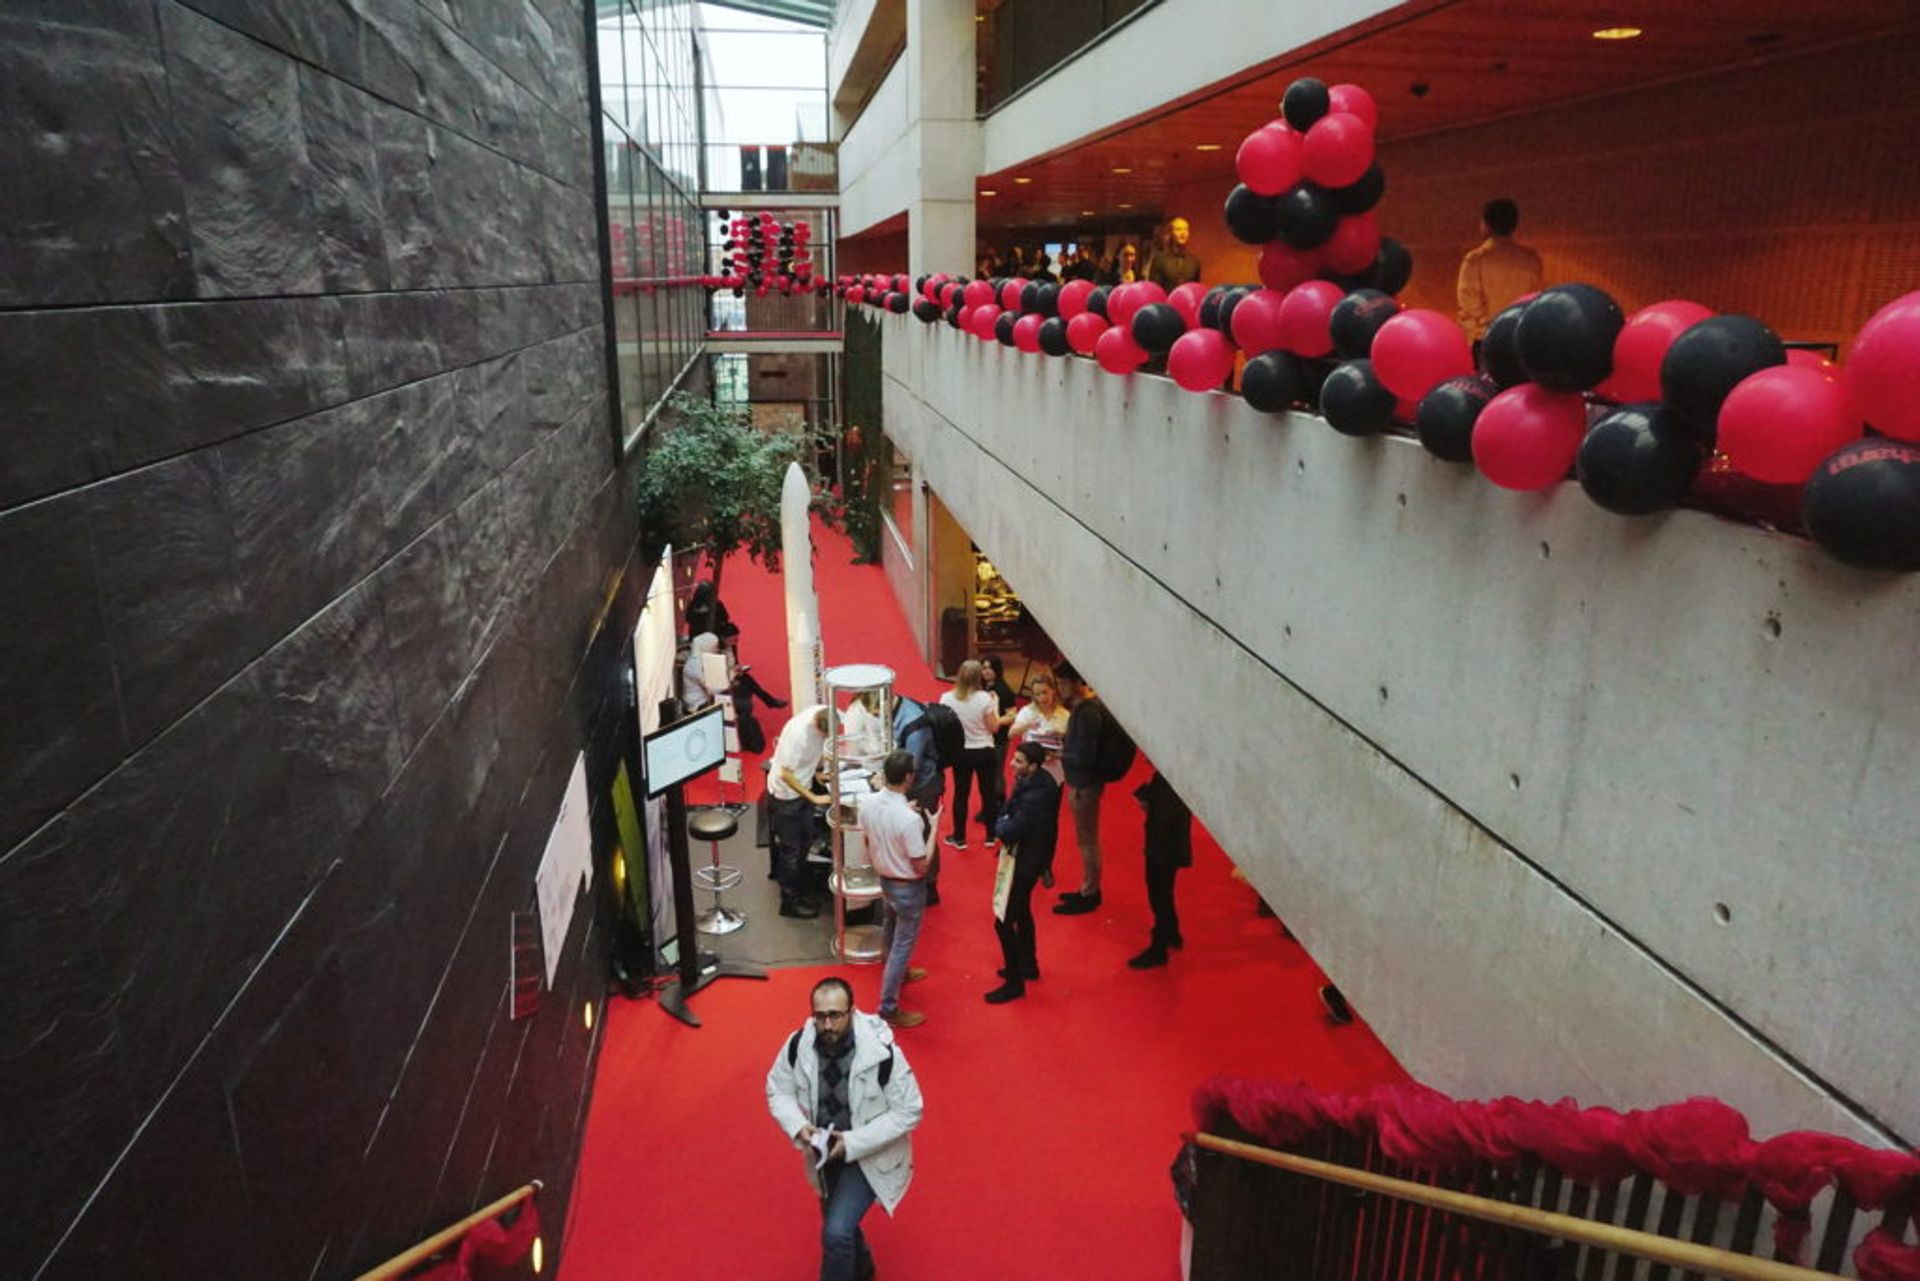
(1053, 336)
(1863, 504)
(1003, 327)
(953, 312)
(1048, 303)
(1639, 459)
(1394, 267)
(920, 283)
(1499, 354)
(1030, 297)
(1708, 360)
(926, 310)
(1306, 101)
(1210, 307)
(1357, 318)
(897, 302)
(1157, 326)
(1446, 415)
(1305, 216)
(1363, 193)
(1252, 217)
(1097, 302)
(1565, 337)
(1235, 296)
(1274, 381)
(1354, 401)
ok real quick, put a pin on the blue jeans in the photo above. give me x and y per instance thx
(906, 904)
(843, 1246)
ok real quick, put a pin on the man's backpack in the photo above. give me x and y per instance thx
(949, 739)
(1113, 751)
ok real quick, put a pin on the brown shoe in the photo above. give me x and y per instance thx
(915, 973)
(905, 1018)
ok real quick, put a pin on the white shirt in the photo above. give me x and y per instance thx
(1049, 729)
(979, 713)
(800, 748)
(896, 835)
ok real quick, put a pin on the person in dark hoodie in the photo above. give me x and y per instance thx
(1029, 827)
(1086, 722)
(1169, 848)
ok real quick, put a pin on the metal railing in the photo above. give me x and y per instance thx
(406, 1261)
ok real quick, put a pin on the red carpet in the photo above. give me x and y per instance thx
(1050, 1122)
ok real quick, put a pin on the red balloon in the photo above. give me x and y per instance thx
(1084, 330)
(1185, 299)
(1200, 359)
(1642, 344)
(1779, 424)
(1269, 159)
(947, 291)
(1355, 244)
(1337, 150)
(1417, 350)
(856, 294)
(1127, 299)
(1256, 322)
(1304, 317)
(1117, 352)
(1282, 266)
(1073, 297)
(966, 319)
(1883, 369)
(977, 292)
(1355, 101)
(1026, 332)
(1010, 294)
(984, 318)
(1527, 437)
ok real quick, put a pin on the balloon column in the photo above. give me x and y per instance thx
(766, 256)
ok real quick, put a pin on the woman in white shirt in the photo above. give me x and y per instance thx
(979, 714)
(1044, 721)
(694, 690)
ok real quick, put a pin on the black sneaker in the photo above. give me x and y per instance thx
(803, 909)
(1076, 904)
(1011, 990)
(1152, 958)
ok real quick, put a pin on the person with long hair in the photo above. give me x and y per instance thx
(993, 678)
(979, 715)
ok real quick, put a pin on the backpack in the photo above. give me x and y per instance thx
(1113, 751)
(949, 740)
(793, 1056)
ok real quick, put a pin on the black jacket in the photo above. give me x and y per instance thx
(1169, 823)
(1030, 820)
(1080, 753)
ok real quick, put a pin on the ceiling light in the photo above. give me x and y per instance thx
(1125, 205)
(1086, 213)
(1616, 33)
(1122, 169)
(1021, 182)
(989, 192)
(1207, 146)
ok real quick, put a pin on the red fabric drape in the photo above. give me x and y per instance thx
(1700, 1147)
(489, 1249)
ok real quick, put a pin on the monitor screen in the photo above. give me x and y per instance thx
(685, 749)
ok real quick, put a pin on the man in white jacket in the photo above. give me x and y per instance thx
(843, 1093)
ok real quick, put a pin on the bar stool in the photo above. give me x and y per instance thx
(713, 826)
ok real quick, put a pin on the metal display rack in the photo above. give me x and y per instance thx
(857, 744)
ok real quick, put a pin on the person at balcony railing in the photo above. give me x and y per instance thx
(1042, 269)
(1124, 269)
(1496, 271)
(1080, 265)
(1169, 847)
(842, 1092)
(1174, 265)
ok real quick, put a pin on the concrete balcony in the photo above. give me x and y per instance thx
(1566, 803)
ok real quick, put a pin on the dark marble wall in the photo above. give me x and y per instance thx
(316, 564)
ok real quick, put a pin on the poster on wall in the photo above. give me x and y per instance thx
(566, 868)
(655, 639)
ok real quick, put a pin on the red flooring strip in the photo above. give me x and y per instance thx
(1051, 1122)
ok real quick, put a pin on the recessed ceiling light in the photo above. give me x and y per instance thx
(1125, 205)
(1086, 213)
(1123, 169)
(1207, 146)
(1021, 182)
(988, 191)
(1616, 33)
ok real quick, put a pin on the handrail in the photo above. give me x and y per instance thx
(400, 1264)
(1605, 1236)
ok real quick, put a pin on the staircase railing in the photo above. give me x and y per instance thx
(450, 1237)
(1306, 1189)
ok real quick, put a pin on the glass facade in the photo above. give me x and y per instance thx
(766, 104)
(1020, 41)
(651, 67)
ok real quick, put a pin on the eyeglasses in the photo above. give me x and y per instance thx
(829, 1016)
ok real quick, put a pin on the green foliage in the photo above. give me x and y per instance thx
(713, 479)
(863, 469)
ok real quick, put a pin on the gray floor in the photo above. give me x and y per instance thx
(767, 938)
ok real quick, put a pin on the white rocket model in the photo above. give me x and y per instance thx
(804, 660)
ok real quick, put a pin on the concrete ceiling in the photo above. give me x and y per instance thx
(1478, 60)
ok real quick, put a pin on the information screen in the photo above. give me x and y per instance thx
(685, 749)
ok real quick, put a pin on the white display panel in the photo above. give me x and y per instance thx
(685, 749)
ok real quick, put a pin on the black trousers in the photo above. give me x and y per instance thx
(975, 762)
(1166, 921)
(1019, 954)
(792, 822)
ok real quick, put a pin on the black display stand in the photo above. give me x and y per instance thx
(695, 969)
